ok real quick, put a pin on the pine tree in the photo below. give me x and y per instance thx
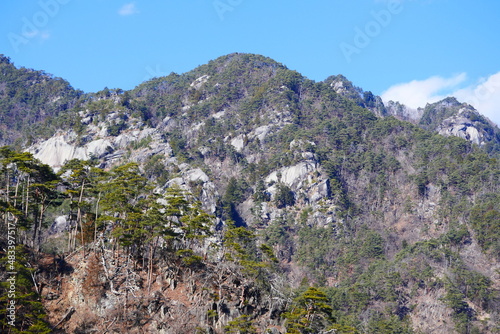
(123, 204)
(77, 177)
(30, 316)
(310, 313)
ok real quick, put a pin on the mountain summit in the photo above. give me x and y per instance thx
(242, 197)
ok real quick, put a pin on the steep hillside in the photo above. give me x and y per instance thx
(325, 213)
(452, 118)
(27, 98)
(403, 112)
(449, 117)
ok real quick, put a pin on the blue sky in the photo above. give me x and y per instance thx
(415, 51)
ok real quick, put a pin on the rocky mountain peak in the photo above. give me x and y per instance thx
(450, 117)
(366, 99)
(243, 197)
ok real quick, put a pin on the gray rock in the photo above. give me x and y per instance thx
(59, 225)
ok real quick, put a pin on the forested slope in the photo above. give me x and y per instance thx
(258, 200)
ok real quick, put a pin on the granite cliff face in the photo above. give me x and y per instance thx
(461, 125)
(449, 117)
(394, 217)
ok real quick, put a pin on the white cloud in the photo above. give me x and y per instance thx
(128, 9)
(484, 95)
(417, 93)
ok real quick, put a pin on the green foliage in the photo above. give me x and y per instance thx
(383, 174)
(433, 115)
(463, 314)
(261, 195)
(457, 236)
(269, 253)
(388, 325)
(122, 204)
(196, 224)
(284, 196)
(178, 144)
(373, 246)
(309, 313)
(80, 178)
(189, 258)
(485, 219)
(235, 191)
(317, 249)
(116, 128)
(154, 170)
(240, 245)
(30, 316)
(240, 325)
(343, 329)
(277, 233)
(28, 98)
(23, 174)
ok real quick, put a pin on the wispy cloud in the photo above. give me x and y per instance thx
(484, 95)
(417, 93)
(128, 9)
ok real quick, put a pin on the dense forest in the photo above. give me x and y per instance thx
(28, 97)
(242, 197)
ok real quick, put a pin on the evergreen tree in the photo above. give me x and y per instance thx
(310, 313)
(29, 314)
(123, 204)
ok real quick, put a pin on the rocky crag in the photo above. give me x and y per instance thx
(392, 213)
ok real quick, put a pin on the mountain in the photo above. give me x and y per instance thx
(28, 97)
(403, 112)
(452, 118)
(449, 117)
(243, 197)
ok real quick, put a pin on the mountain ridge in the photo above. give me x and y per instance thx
(314, 191)
(487, 133)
